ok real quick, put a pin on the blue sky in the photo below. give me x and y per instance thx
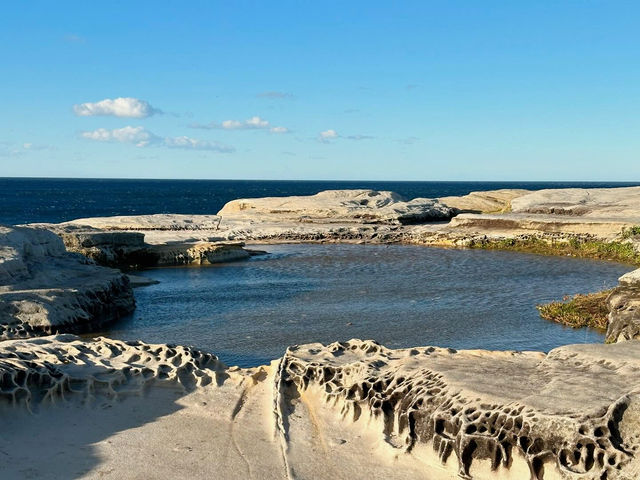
(425, 90)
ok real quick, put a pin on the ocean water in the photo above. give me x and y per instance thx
(248, 312)
(31, 200)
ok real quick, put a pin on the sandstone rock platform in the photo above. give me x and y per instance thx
(352, 409)
(45, 289)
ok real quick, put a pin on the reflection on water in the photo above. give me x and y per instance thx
(249, 312)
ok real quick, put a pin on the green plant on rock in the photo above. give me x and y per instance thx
(588, 310)
(618, 251)
(630, 232)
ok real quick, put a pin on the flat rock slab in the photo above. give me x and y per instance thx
(582, 202)
(150, 222)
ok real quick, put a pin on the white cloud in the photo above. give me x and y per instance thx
(141, 137)
(328, 135)
(256, 122)
(195, 144)
(117, 107)
(331, 134)
(359, 137)
(230, 124)
(253, 123)
(36, 146)
(12, 149)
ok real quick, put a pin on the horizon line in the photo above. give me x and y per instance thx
(312, 180)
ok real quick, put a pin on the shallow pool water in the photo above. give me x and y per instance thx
(248, 312)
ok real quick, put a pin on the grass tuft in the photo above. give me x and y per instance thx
(631, 232)
(623, 252)
(588, 310)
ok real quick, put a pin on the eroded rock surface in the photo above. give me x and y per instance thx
(336, 206)
(620, 203)
(142, 243)
(45, 289)
(624, 309)
(346, 410)
(491, 408)
(491, 201)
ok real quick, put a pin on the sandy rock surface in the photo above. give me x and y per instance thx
(347, 410)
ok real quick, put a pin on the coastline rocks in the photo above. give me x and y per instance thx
(624, 309)
(128, 249)
(351, 409)
(368, 216)
(340, 206)
(45, 289)
(161, 221)
(618, 203)
(492, 201)
(110, 249)
(486, 414)
(37, 371)
(545, 225)
(201, 253)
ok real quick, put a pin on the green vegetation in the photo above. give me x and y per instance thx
(631, 232)
(618, 251)
(588, 310)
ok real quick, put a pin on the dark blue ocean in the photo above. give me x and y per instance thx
(34, 200)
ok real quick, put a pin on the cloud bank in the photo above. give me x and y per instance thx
(127, 107)
(253, 123)
(328, 135)
(141, 137)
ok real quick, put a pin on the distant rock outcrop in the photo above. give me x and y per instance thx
(610, 203)
(336, 206)
(101, 240)
(492, 201)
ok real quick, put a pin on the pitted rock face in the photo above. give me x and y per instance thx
(41, 371)
(571, 414)
(624, 313)
(477, 405)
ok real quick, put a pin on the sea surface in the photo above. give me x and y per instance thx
(249, 312)
(52, 200)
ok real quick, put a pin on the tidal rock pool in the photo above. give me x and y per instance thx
(248, 312)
